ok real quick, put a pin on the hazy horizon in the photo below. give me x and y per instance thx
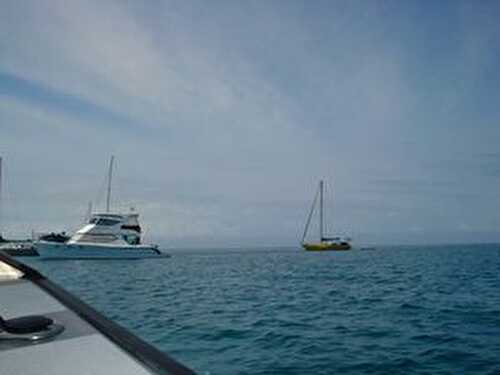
(223, 116)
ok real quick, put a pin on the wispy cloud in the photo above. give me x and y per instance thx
(224, 115)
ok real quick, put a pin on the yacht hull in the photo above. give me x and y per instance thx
(319, 246)
(53, 250)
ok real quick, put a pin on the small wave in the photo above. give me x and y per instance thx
(410, 306)
(384, 367)
(225, 334)
(438, 338)
(453, 355)
(272, 339)
(379, 333)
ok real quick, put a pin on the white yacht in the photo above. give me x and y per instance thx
(104, 236)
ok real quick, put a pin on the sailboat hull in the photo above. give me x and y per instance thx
(324, 246)
(50, 250)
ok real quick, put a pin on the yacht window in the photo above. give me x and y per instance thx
(96, 238)
(93, 220)
(107, 222)
(132, 239)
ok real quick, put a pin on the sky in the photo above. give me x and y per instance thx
(224, 115)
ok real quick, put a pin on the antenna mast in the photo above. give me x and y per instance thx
(110, 176)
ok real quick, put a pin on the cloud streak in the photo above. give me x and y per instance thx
(223, 116)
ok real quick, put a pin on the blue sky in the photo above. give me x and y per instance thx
(223, 115)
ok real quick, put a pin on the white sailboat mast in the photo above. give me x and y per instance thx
(89, 212)
(110, 176)
(321, 210)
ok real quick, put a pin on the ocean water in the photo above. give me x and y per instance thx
(394, 310)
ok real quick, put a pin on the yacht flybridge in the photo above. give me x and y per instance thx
(104, 236)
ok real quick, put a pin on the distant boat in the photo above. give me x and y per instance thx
(13, 247)
(337, 243)
(61, 237)
(104, 236)
(18, 248)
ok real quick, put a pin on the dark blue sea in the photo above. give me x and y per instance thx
(392, 310)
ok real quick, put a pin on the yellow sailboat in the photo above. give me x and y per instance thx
(337, 243)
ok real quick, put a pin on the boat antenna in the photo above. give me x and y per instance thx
(110, 176)
(310, 215)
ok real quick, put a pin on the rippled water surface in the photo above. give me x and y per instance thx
(410, 310)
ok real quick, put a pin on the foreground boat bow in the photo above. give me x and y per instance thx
(89, 343)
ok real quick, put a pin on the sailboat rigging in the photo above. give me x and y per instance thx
(110, 176)
(324, 243)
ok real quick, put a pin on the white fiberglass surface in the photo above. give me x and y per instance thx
(9, 273)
